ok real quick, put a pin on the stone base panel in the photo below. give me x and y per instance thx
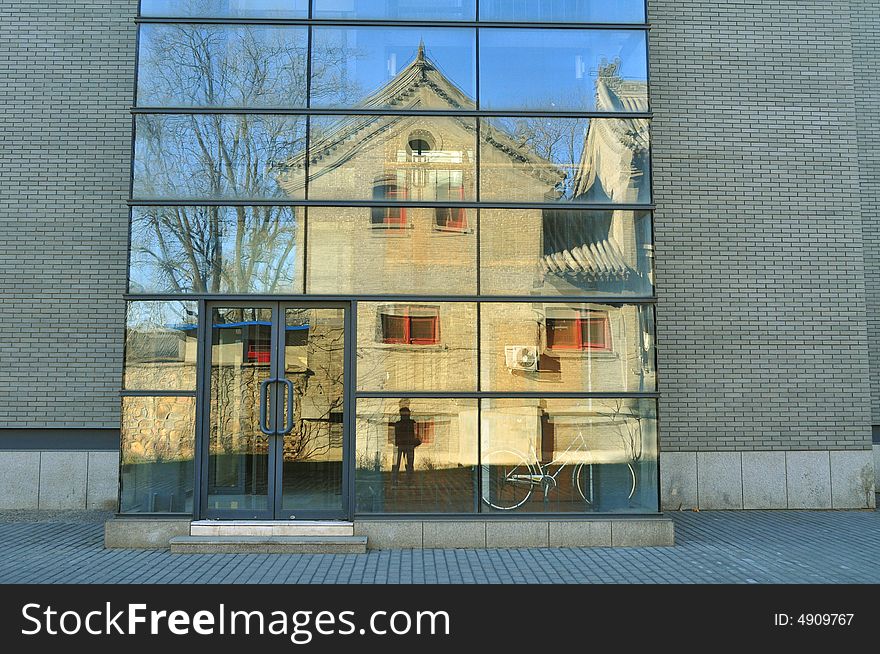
(59, 480)
(149, 533)
(844, 479)
(835, 479)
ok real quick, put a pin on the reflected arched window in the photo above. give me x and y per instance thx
(387, 188)
(419, 146)
(450, 187)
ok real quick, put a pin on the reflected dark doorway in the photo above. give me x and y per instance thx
(274, 428)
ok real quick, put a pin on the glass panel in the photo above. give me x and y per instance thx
(314, 362)
(565, 252)
(238, 451)
(353, 156)
(157, 446)
(416, 455)
(402, 68)
(564, 11)
(233, 157)
(227, 8)
(545, 347)
(600, 160)
(216, 250)
(438, 350)
(396, 9)
(349, 252)
(222, 66)
(574, 70)
(560, 455)
(160, 346)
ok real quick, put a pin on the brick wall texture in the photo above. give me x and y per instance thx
(67, 80)
(866, 70)
(766, 168)
(762, 335)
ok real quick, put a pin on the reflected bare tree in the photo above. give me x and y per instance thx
(628, 425)
(558, 140)
(219, 156)
(320, 384)
(214, 249)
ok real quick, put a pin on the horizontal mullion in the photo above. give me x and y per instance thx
(154, 393)
(469, 113)
(573, 299)
(348, 22)
(173, 202)
(500, 395)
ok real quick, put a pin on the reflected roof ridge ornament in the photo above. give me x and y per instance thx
(609, 71)
(420, 56)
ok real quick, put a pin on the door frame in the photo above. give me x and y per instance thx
(278, 305)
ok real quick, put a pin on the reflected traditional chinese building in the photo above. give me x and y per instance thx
(543, 252)
(384, 257)
(411, 300)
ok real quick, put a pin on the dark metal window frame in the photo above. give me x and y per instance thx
(353, 22)
(352, 300)
(278, 305)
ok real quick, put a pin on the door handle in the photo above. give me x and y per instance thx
(264, 399)
(288, 422)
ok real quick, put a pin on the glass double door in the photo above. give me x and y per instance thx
(274, 432)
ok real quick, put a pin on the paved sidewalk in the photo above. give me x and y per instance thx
(713, 547)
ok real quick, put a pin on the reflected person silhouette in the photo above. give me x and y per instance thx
(406, 441)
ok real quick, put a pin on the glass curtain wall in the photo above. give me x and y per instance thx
(474, 176)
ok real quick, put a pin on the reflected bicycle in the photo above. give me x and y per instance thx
(510, 477)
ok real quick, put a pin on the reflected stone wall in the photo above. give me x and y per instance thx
(156, 454)
(157, 429)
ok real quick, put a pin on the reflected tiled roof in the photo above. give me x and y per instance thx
(602, 259)
(352, 134)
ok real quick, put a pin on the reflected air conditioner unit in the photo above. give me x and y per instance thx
(521, 357)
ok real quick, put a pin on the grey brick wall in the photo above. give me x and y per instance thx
(866, 69)
(761, 322)
(761, 270)
(64, 164)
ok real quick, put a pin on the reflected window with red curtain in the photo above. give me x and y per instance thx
(591, 331)
(386, 188)
(417, 327)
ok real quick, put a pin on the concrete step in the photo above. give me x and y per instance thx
(271, 528)
(269, 545)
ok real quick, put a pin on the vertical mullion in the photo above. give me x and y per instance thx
(305, 255)
(203, 445)
(309, 44)
(478, 262)
(199, 406)
(350, 379)
(278, 395)
(478, 500)
(308, 142)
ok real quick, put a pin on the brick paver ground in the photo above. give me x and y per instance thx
(713, 547)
